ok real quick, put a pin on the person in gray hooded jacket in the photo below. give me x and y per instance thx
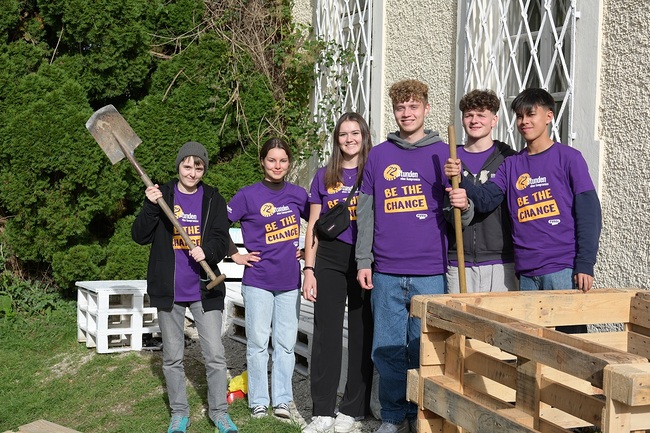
(401, 246)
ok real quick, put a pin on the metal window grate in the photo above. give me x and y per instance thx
(343, 76)
(510, 45)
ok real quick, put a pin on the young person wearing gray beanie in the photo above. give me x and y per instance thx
(175, 281)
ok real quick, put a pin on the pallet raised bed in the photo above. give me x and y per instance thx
(493, 362)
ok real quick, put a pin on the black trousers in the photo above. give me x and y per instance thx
(336, 279)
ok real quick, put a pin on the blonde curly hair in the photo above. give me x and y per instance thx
(405, 90)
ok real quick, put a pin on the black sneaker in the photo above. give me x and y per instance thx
(282, 411)
(259, 411)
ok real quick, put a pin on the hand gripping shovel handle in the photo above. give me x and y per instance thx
(458, 225)
(214, 280)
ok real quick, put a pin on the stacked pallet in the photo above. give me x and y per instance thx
(112, 316)
(493, 363)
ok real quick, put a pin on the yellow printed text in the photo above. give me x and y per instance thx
(405, 204)
(284, 234)
(539, 210)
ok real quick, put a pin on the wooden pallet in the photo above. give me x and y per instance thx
(42, 426)
(492, 363)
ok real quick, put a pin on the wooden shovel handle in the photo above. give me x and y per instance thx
(214, 280)
(458, 225)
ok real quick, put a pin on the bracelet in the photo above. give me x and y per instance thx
(306, 268)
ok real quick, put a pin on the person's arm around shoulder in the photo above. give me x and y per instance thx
(588, 224)
(365, 234)
(485, 197)
(309, 284)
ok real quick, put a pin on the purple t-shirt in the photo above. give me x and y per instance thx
(408, 189)
(540, 190)
(187, 209)
(474, 161)
(329, 197)
(270, 224)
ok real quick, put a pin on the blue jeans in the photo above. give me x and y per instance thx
(560, 280)
(208, 325)
(270, 314)
(396, 337)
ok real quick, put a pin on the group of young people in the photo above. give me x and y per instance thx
(531, 222)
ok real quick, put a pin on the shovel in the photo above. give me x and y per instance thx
(117, 140)
(458, 227)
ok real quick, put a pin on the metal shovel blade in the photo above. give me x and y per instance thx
(108, 126)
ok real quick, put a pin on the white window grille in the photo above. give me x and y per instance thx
(343, 82)
(510, 45)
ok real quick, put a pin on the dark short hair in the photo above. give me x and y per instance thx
(480, 100)
(529, 98)
(275, 143)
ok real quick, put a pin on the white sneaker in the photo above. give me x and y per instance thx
(320, 424)
(343, 423)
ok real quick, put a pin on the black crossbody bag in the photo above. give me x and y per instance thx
(334, 222)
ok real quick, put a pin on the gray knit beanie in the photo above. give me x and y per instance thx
(192, 148)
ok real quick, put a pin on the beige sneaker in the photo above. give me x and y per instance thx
(343, 423)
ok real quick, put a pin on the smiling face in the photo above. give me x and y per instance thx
(350, 140)
(533, 124)
(276, 165)
(410, 117)
(479, 123)
(190, 173)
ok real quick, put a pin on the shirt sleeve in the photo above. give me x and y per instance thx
(485, 197)
(237, 207)
(588, 220)
(365, 231)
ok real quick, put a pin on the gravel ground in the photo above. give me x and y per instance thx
(236, 357)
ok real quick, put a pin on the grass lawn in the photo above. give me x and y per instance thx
(46, 374)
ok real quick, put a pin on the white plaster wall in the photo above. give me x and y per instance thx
(303, 11)
(625, 130)
(420, 43)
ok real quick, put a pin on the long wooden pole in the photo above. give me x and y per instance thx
(458, 226)
(214, 279)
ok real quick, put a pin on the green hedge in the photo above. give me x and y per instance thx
(174, 73)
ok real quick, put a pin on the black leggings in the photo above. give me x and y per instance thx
(336, 279)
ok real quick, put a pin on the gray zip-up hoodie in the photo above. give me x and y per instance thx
(366, 202)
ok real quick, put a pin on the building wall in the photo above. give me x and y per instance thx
(625, 131)
(303, 11)
(420, 43)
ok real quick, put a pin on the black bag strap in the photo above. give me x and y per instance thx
(354, 189)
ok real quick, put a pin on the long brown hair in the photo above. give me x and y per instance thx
(334, 170)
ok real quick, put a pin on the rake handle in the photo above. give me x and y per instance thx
(458, 225)
(214, 280)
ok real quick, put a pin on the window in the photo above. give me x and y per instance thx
(510, 45)
(343, 82)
